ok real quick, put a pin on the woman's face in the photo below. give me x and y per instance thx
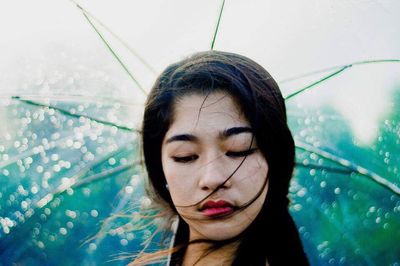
(208, 141)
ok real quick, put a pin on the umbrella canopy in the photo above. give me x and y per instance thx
(72, 90)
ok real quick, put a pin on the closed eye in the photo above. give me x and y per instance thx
(185, 159)
(241, 153)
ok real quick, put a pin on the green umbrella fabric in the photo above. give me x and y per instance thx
(71, 180)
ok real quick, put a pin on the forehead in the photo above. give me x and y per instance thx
(215, 110)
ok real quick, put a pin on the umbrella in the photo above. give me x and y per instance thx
(69, 157)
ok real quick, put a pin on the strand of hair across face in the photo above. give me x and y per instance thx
(220, 185)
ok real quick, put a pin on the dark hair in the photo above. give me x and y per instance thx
(273, 234)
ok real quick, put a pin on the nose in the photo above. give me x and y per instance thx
(214, 174)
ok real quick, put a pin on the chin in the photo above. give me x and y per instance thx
(219, 230)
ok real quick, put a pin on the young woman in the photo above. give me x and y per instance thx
(219, 155)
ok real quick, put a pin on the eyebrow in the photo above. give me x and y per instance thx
(182, 137)
(222, 135)
(234, 131)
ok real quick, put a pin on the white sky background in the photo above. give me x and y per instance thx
(287, 37)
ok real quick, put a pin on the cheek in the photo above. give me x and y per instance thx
(180, 181)
(262, 167)
(254, 170)
(257, 172)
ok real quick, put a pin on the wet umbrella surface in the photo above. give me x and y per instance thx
(71, 180)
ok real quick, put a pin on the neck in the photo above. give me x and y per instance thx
(200, 254)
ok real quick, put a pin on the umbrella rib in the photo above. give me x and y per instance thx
(365, 62)
(101, 175)
(130, 49)
(217, 26)
(72, 97)
(323, 167)
(66, 112)
(316, 82)
(342, 68)
(75, 181)
(113, 52)
(353, 166)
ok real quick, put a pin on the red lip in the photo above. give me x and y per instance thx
(217, 208)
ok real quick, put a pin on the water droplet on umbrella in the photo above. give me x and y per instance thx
(92, 246)
(297, 207)
(47, 211)
(128, 189)
(130, 236)
(124, 242)
(111, 161)
(70, 225)
(63, 231)
(70, 214)
(94, 213)
(40, 244)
